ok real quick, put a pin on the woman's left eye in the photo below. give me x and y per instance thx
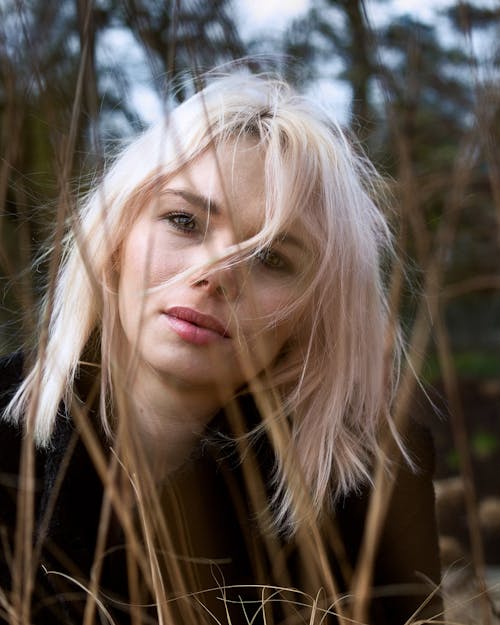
(182, 221)
(270, 258)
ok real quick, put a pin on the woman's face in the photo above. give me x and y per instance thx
(216, 329)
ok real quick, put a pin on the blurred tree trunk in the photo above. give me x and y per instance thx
(360, 62)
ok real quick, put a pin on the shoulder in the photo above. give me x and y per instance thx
(411, 496)
(11, 435)
(408, 550)
(11, 438)
(11, 375)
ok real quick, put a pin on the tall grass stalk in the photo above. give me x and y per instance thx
(152, 559)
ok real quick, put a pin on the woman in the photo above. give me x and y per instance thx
(208, 406)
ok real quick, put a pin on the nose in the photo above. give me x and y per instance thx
(220, 281)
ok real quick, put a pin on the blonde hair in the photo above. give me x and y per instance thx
(333, 385)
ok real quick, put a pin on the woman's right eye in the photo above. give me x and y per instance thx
(185, 222)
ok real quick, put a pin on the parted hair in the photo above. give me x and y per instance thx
(334, 383)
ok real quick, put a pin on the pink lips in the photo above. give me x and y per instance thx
(195, 327)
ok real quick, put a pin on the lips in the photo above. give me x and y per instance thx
(200, 320)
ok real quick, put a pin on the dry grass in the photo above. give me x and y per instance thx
(151, 543)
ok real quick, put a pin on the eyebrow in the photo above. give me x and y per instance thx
(195, 199)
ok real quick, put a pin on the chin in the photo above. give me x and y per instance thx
(196, 375)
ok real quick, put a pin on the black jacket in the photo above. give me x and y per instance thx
(215, 535)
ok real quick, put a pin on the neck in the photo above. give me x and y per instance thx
(168, 418)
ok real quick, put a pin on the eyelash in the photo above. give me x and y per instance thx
(189, 224)
(263, 256)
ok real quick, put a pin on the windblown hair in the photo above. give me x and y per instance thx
(333, 384)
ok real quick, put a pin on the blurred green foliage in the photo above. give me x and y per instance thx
(484, 446)
(470, 365)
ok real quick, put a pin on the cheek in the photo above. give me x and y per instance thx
(138, 252)
(271, 323)
(134, 269)
(272, 304)
(145, 262)
(132, 257)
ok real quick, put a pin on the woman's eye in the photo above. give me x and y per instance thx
(182, 221)
(271, 259)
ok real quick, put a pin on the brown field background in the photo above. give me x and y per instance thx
(425, 104)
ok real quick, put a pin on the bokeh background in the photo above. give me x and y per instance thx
(416, 82)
